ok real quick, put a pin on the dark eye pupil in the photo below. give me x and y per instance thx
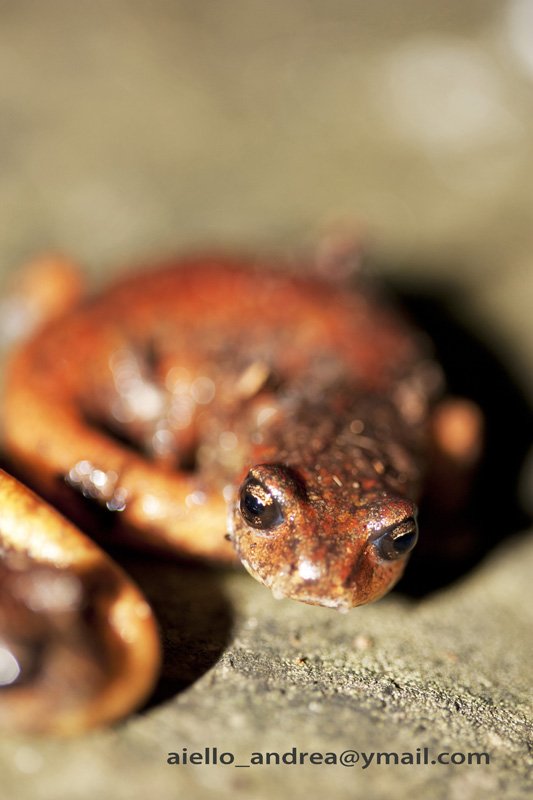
(402, 544)
(398, 541)
(258, 507)
(253, 505)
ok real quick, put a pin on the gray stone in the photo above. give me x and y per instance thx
(135, 128)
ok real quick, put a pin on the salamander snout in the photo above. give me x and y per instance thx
(320, 547)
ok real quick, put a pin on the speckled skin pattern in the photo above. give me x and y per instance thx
(212, 400)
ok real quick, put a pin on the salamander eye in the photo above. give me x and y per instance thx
(398, 541)
(258, 507)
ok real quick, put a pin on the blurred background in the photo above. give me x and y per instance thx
(131, 129)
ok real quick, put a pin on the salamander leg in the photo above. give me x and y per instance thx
(43, 289)
(457, 432)
(453, 538)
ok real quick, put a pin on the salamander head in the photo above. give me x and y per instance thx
(317, 546)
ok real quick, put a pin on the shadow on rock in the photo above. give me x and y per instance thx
(193, 614)
(450, 547)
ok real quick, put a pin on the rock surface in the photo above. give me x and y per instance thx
(134, 128)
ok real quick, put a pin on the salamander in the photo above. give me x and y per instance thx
(227, 409)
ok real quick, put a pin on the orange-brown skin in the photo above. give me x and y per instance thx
(218, 369)
(81, 634)
(216, 408)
